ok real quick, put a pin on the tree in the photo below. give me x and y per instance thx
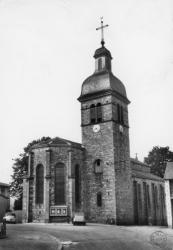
(20, 166)
(157, 159)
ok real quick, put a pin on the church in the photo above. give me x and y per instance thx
(97, 177)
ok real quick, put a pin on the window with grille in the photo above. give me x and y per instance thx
(95, 113)
(99, 199)
(99, 112)
(59, 184)
(39, 184)
(92, 114)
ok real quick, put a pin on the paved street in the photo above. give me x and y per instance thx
(92, 237)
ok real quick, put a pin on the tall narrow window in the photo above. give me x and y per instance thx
(39, 184)
(99, 199)
(156, 196)
(171, 187)
(99, 63)
(135, 202)
(145, 203)
(77, 185)
(139, 202)
(162, 203)
(59, 184)
(108, 64)
(99, 112)
(148, 197)
(118, 113)
(154, 204)
(139, 196)
(92, 114)
(122, 115)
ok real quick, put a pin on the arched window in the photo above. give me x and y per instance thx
(99, 112)
(39, 184)
(77, 185)
(99, 199)
(92, 114)
(98, 168)
(59, 184)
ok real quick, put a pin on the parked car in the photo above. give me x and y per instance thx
(79, 219)
(10, 217)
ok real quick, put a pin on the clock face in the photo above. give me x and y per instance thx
(96, 128)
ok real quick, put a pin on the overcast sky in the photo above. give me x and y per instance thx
(46, 52)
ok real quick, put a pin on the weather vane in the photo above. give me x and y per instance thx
(102, 31)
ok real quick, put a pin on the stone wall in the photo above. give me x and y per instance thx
(97, 147)
(112, 148)
(151, 209)
(123, 181)
(49, 157)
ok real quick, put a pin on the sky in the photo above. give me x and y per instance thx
(46, 52)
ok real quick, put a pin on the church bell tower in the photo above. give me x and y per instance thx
(105, 137)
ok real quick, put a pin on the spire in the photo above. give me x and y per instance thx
(102, 31)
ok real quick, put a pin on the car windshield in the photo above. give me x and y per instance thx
(10, 214)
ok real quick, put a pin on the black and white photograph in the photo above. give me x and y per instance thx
(86, 125)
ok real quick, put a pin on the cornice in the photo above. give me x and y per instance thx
(99, 94)
(110, 120)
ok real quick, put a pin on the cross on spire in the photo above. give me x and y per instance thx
(102, 33)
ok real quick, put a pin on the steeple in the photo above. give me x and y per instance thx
(102, 55)
(104, 122)
(102, 80)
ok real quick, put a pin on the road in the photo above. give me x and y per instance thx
(92, 237)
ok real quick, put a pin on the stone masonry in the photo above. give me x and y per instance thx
(97, 177)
